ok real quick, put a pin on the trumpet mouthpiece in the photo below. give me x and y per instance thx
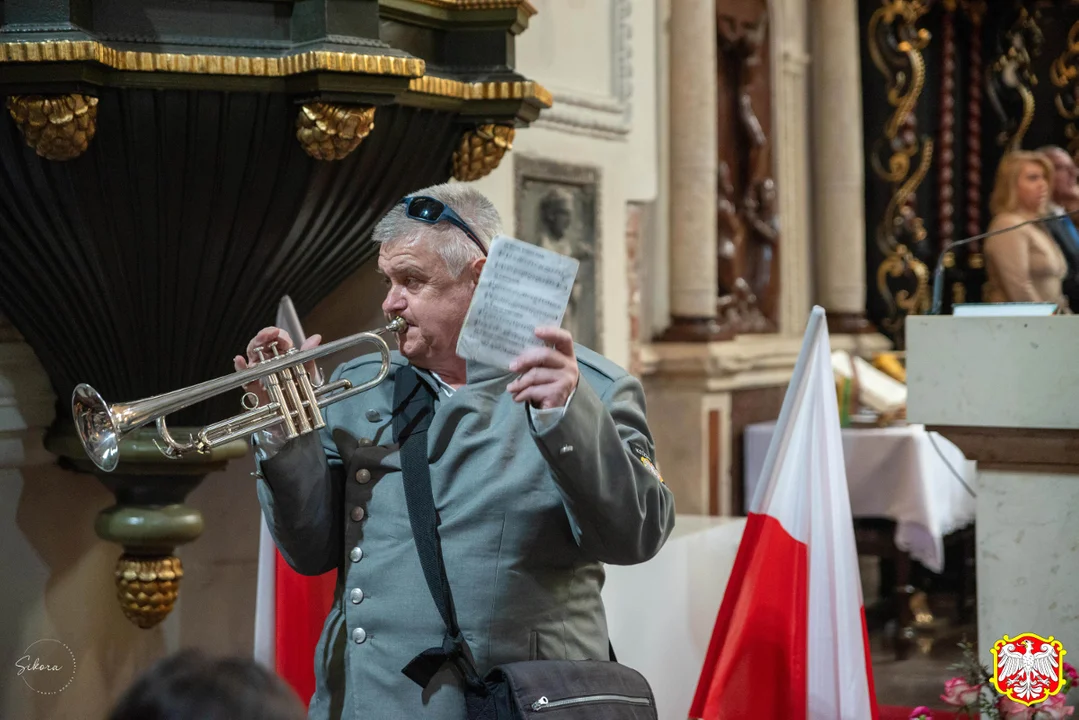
(397, 325)
(96, 427)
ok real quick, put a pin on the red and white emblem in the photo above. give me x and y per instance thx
(1029, 669)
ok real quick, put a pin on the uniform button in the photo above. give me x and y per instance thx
(373, 416)
(356, 554)
(365, 442)
(363, 476)
(357, 513)
(359, 635)
(356, 596)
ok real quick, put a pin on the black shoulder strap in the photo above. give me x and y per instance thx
(414, 406)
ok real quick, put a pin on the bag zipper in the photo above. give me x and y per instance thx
(544, 704)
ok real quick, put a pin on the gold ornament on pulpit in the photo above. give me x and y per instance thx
(147, 587)
(57, 127)
(481, 150)
(331, 132)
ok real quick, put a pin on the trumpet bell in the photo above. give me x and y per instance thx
(96, 426)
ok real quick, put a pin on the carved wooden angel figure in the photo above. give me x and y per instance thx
(737, 304)
(745, 44)
(731, 234)
(762, 212)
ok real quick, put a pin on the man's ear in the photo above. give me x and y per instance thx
(476, 267)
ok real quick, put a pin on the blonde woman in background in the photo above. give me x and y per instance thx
(1024, 265)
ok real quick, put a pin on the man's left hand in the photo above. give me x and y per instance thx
(547, 374)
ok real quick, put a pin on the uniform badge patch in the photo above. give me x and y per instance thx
(649, 465)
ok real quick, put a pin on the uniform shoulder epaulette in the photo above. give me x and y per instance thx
(592, 363)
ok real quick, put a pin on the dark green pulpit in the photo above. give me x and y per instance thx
(169, 170)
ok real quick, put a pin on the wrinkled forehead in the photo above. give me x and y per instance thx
(408, 249)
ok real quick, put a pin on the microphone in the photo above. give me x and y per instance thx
(938, 272)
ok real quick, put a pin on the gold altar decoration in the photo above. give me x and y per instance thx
(481, 150)
(330, 132)
(57, 127)
(1013, 69)
(905, 75)
(898, 264)
(1064, 74)
(147, 587)
(895, 46)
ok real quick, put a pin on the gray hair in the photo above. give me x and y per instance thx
(454, 247)
(1049, 150)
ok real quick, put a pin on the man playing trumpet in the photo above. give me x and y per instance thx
(538, 479)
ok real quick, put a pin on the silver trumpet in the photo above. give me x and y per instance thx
(295, 402)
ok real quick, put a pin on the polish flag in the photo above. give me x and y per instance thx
(290, 608)
(790, 640)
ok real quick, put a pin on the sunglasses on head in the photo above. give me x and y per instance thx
(431, 211)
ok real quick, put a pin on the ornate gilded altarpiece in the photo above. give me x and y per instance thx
(948, 87)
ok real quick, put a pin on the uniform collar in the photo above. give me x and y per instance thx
(474, 372)
(479, 372)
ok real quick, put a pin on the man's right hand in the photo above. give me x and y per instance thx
(264, 339)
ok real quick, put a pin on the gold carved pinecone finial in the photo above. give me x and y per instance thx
(58, 127)
(147, 587)
(331, 132)
(480, 151)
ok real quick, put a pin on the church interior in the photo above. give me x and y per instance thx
(169, 171)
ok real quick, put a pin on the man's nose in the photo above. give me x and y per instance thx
(394, 302)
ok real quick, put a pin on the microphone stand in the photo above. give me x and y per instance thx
(938, 271)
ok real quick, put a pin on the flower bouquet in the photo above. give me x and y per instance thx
(975, 696)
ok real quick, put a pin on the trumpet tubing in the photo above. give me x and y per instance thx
(294, 402)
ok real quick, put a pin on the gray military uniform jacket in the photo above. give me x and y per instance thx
(527, 519)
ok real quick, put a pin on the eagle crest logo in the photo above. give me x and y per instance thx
(1028, 669)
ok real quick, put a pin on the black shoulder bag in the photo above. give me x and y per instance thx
(577, 689)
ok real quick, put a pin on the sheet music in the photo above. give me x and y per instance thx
(522, 287)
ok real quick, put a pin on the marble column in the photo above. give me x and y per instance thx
(790, 83)
(693, 164)
(839, 169)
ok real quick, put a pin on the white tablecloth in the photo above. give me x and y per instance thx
(894, 473)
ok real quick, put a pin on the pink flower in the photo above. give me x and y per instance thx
(1071, 674)
(959, 693)
(1011, 710)
(921, 713)
(1052, 709)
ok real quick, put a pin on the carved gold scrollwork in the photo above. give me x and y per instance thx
(1012, 69)
(896, 265)
(1064, 74)
(895, 46)
(331, 132)
(57, 127)
(896, 51)
(481, 150)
